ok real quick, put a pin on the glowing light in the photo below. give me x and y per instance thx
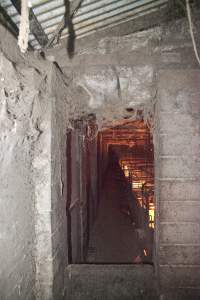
(139, 201)
(136, 185)
(151, 215)
(126, 171)
(145, 252)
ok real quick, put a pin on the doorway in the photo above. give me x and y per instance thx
(111, 206)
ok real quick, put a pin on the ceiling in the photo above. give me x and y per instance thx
(89, 17)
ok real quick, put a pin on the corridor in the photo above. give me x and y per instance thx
(114, 238)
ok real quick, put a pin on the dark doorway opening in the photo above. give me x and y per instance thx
(111, 207)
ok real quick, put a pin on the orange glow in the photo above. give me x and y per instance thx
(151, 215)
(136, 185)
(126, 171)
(145, 252)
(140, 202)
(137, 166)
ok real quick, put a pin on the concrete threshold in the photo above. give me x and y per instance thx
(110, 281)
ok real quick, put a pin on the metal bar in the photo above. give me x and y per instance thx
(35, 26)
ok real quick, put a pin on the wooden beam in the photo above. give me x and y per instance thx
(6, 20)
(35, 27)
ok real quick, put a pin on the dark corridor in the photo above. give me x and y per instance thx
(114, 238)
(112, 207)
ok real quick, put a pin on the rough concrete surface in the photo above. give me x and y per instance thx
(179, 168)
(111, 282)
(30, 221)
(20, 130)
(122, 71)
(152, 70)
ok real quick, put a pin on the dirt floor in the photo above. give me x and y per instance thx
(113, 239)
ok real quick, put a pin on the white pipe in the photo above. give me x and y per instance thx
(191, 31)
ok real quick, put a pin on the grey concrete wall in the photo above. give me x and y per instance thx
(178, 176)
(120, 72)
(83, 204)
(18, 134)
(93, 172)
(84, 201)
(59, 117)
(25, 151)
(33, 122)
(111, 282)
(132, 71)
(155, 71)
(41, 178)
(74, 207)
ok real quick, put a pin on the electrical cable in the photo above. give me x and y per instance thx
(191, 30)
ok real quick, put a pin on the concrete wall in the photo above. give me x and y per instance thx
(59, 120)
(33, 122)
(156, 72)
(18, 134)
(83, 202)
(178, 176)
(24, 170)
(93, 177)
(139, 71)
(74, 207)
(121, 72)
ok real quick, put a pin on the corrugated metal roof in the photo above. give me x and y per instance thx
(92, 16)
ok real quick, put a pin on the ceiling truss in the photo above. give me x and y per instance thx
(50, 19)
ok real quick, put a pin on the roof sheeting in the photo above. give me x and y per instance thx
(92, 16)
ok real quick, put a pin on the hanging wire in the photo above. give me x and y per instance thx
(191, 30)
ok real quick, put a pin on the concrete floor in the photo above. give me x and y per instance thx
(111, 282)
(113, 239)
